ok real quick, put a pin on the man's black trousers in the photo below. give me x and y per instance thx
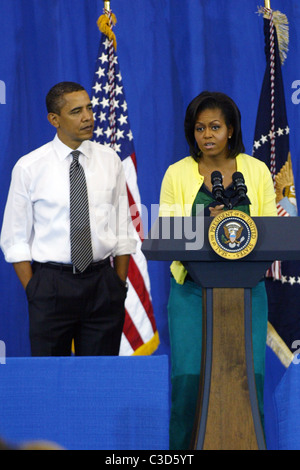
(85, 308)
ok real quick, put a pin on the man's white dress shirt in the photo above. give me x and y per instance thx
(36, 224)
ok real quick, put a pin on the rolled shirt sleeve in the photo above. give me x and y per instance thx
(17, 225)
(36, 224)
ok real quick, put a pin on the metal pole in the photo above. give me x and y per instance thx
(267, 4)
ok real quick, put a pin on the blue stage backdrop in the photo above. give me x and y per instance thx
(168, 51)
(86, 403)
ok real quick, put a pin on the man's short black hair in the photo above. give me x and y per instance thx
(55, 96)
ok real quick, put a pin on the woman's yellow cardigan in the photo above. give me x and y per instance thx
(182, 182)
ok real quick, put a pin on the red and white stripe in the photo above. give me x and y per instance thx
(140, 326)
(281, 211)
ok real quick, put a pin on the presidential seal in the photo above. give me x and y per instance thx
(232, 234)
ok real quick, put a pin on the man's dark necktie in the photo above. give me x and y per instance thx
(80, 232)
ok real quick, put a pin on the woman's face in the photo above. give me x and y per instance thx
(212, 134)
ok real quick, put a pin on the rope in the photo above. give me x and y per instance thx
(112, 90)
(272, 81)
(275, 269)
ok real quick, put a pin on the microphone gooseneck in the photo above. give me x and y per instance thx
(217, 186)
(239, 185)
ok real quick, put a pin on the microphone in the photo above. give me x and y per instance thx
(239, 185)
(217, 186)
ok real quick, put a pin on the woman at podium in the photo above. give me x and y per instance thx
(208, 177)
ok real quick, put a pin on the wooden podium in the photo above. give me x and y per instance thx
(227, 416)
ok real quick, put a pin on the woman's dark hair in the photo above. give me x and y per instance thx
(230, 111)
(55, 96)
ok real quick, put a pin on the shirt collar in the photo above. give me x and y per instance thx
(63, 151)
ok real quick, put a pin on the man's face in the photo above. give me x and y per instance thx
(75, 123)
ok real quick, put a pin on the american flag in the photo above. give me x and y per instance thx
(140, 336)
(271, 145)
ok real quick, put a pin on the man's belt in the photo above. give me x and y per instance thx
(71, 268)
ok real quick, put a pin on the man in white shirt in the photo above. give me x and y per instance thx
(64, 303)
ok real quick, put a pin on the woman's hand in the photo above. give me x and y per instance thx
(216, 210)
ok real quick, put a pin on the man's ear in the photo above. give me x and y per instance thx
(53, 118)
